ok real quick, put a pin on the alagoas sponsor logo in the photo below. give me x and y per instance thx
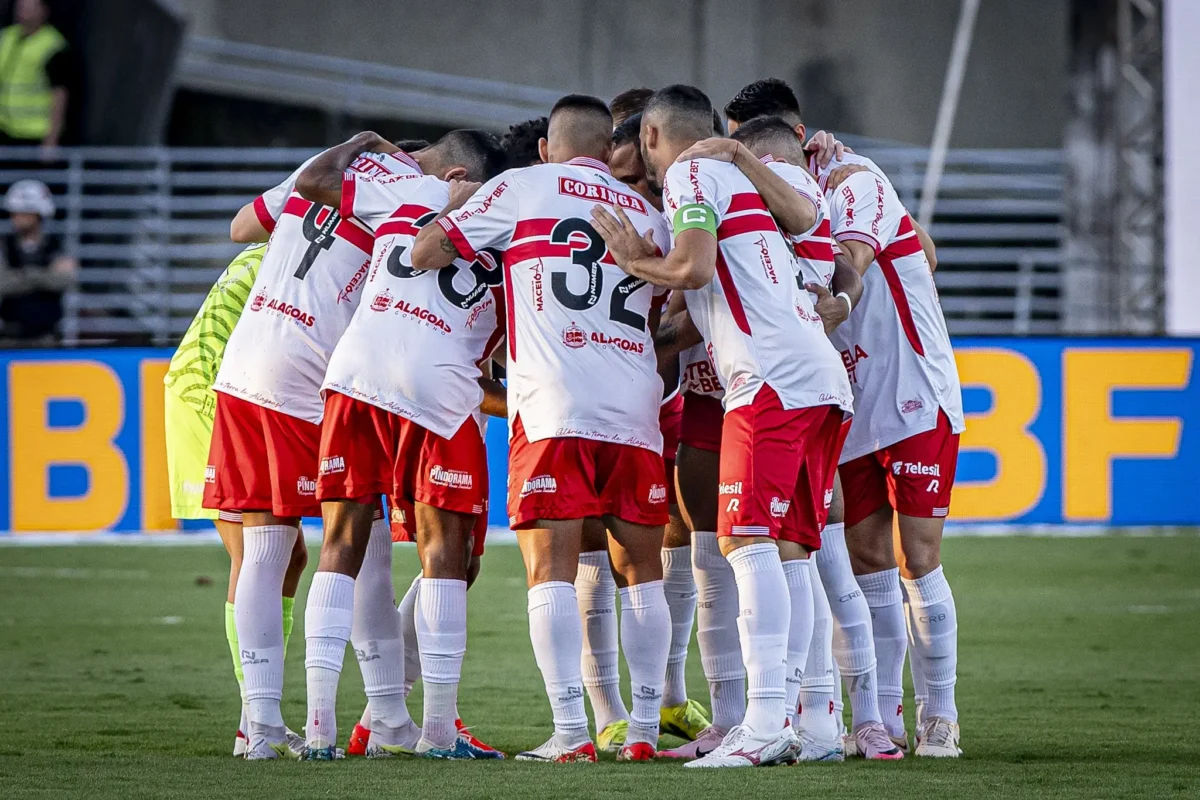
(423, 314)
(483, 207)
(574, 337)
(260, 300)
(594, 191)
(779, 508)
(850, 358)
(331, 465)
(617, 343)
(289, 310)
(539, 484)
(354, 283)
(734, 487)
(451, 478)
(306, 487)
(916, 468)
(381, 301)
(658, 493)
(764, 258)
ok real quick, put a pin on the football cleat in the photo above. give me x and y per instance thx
(554, 753)
(329, 753)
(816, 750)
(872, 742)
(742, 747)
(636, 751)
(476, 743)
(239, 745)
(461, 750)
(357, 746)
(708, 740)
(260, 749)
(687, 720)
(613, 736)
(938, 738)
(390, 743)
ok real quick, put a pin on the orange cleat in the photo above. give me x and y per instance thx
(357, 745)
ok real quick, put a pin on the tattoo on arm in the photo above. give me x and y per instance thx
(448, 246)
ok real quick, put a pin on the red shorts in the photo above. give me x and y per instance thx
(404, 528)
(703, 417)
(261, 460)
(366, 451)
(777, 470)
(913, 476)
(573, 478)
(670, 419)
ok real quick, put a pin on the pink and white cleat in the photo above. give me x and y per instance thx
(705, 743)
(872, 742)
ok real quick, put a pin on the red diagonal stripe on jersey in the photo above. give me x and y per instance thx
(501, 314)
(349, 185)
(510, 326)
(359, 237)
(296, 206)
(401, 227)
(751, 223)
(411, 211)
(746, 201)
(731, 294)
(456, 236)
(906, 226)
(527, 251)
(896, 286)
(264, 216)
(817, 250)
(533, 227)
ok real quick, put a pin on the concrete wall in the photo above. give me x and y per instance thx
(873, 67)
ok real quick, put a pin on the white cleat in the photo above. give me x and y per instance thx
(264, 748)
(872, 742)
(239, 745)
(741, 747)
(813, 750)
(554, 753)
(708, 740)
(938, 738)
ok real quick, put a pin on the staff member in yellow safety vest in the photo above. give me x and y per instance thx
(35, 71)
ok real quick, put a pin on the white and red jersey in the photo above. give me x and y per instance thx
(306, 291)
(580, 357)
(759, 324)
(894, 345)
(815, 247)
(415, 344)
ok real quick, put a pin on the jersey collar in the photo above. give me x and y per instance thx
(405, 158)
(592, 163)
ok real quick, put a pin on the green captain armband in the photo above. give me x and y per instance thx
(695, 215)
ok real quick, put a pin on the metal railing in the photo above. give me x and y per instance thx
(150, 227)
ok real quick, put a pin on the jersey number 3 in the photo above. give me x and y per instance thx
(587, 254)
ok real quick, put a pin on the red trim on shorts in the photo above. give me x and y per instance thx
(731, 294)
(264, 216)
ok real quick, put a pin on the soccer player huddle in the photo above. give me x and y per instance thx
(731, 401)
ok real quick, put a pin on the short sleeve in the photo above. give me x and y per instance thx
(371, 196)
(691, 198)
(865, 209)
(269, 205)
(488, 219)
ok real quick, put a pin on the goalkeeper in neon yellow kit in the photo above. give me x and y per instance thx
(189, 406)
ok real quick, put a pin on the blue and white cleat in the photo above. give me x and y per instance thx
(329, 753)
(463, 749)
(817, 751)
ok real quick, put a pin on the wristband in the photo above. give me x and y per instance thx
(849, 304)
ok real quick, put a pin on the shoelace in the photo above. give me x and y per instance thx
(937, 733)
(877, 738)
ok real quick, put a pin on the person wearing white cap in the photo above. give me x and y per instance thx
(34, 269)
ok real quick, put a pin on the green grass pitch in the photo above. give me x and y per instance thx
(1079, 676)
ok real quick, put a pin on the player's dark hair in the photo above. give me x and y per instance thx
(628, 103)
(628, 131)
(477, 150)
(766, 97)
(584, 124)
(580, 102)
(681, 111)
(411, 145)
(770, 135)
(521, 142)
(718, 124)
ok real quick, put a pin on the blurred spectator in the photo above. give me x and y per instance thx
(34, 271)
(35, 73)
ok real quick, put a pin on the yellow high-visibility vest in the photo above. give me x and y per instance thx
(25, 93)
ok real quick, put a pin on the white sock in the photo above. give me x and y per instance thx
(258, 615)
(378, 638)
(920, 692)
(853, 640)
(882, 591)
(717, 631)
(328, 619)
(646, 640)
(680, 589)
(597, 593)
(442, 630)
(763, 630)
(408, 626)
(798, 575)
(818, 714)
(557, 636)
(933, 627)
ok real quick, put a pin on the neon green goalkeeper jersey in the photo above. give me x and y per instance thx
(193, 368)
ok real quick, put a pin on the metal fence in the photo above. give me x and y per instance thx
(150, 228)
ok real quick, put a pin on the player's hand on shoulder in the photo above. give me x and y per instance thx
(716, 148)
(460, 193)
(622, 238)
(838, 175)
(826, 148)
(830, 309)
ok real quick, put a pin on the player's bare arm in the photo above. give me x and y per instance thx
(676, 331)
(926, 245)
(321, 180)
(690, 264)
(859, 254)
(834, 304)
(796, 213)
(246, 228)
(432, 249)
